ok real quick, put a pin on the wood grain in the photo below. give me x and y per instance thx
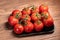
(7, 6)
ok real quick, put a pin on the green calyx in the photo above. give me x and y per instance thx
(23, 22)
(38, 22)
(26, 18)
(38, 15)
(44, 15)
(17, 15)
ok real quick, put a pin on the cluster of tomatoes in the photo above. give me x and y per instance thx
(30, 18)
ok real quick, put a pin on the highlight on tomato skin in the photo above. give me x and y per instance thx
(18, 29)
(43, 8)
(12, 20)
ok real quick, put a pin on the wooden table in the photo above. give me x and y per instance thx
(6, 7)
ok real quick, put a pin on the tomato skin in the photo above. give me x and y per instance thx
(18, 29)
(38, 25)
(26, 17)
(26, 11)
(17, 14)
(43, 8)
(29, 27)
(48, 22)
(34, 10)
(35, 16)
(12, 20)
(47, 19)
(45, 15)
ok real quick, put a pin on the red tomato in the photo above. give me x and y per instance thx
(43, 8)
(26, 17)
(28, 27)
(12, 20)
(26, 11)
(35, 16)
(48, 21)
(45, 15)
(18, 29)
(38, 25)
(34, 9)
(17, 14)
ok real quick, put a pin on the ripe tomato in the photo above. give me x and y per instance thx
(18, 29)
(12, 20)
(34, 9)
(17, 14)
(38, 25)
(43, 8)
(28, 26)
(26, 17)
(48, 21)
(35, 16)
(45, 15)
(26, 11)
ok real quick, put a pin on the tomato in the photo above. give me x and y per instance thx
(43, 8)
(18, 29)
(34, 9)
(35, 16)
(17, 14)
(38, 25)
(45, 15)
(26, 17)
(28, 27)
(48, 21)
(26, 11)
(12, 20)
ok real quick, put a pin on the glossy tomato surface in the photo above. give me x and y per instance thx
(18, 29)
(26, 11)
(26, 17)
(35, 16)
(45, 15)
(48, 22)
(38, 25)
(28, 27)
(17, 14)
(12, 20)
(34, 9)
(43, 8)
